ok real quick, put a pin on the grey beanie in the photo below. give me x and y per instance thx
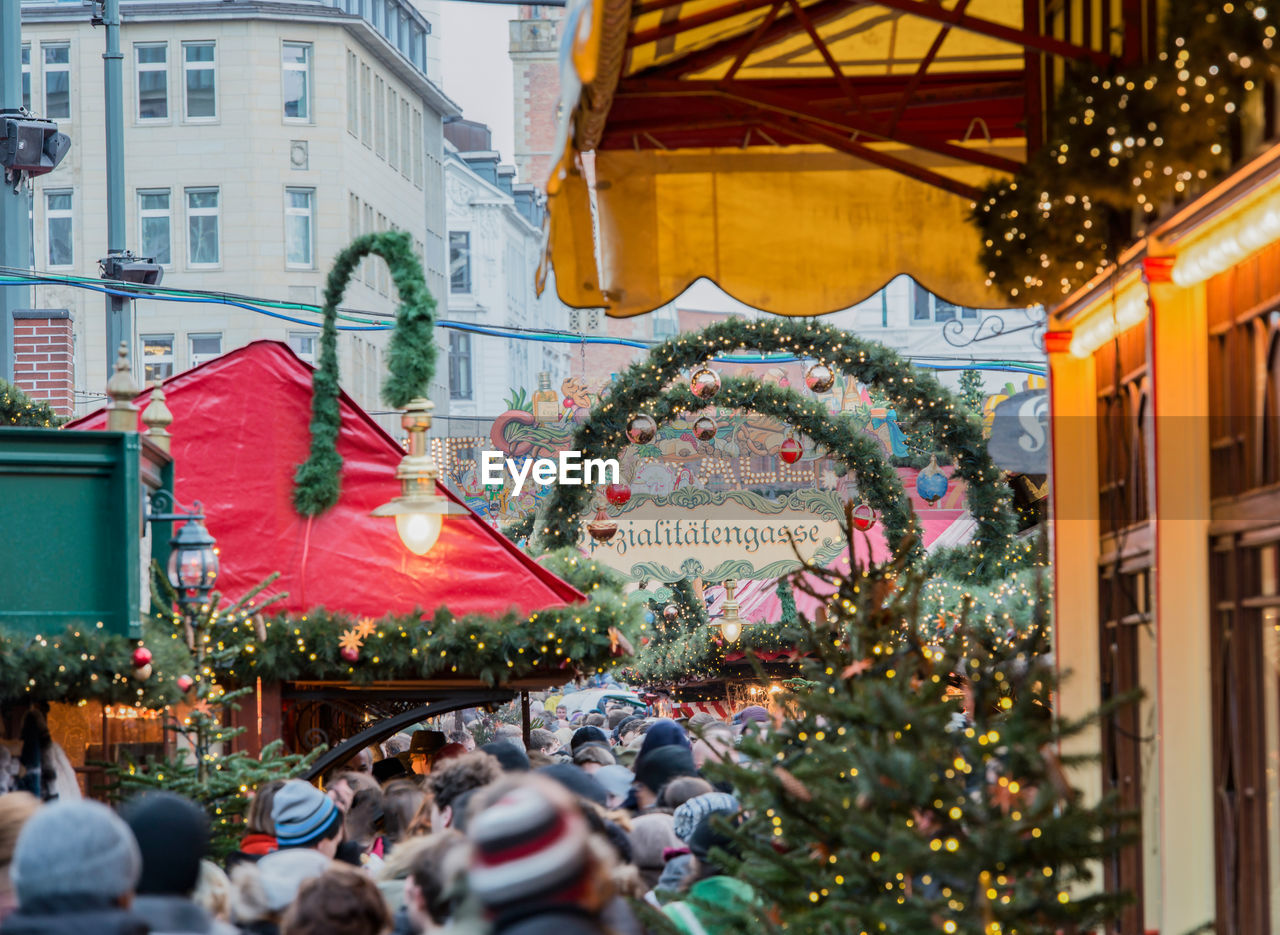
(74, 849)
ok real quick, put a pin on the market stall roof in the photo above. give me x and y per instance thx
(240, 430)
(800, 153)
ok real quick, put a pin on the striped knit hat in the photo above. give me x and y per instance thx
(529, 845)
(302, 814)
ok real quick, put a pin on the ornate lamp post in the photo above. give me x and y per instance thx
(730, 622)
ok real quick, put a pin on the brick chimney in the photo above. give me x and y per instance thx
(534, 49)
(43, 361)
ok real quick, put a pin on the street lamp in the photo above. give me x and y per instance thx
(193, 559)
(730, 622)
(419, 511)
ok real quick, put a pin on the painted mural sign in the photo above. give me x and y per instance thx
(718, 535)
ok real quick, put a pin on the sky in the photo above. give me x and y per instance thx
(476, 68)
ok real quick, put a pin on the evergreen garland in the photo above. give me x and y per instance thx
(1121, 145)
(19, 409)
(787, 597)
(411, 360)
(916, 395)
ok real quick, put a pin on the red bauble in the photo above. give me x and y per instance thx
(141, 657)
(618, 494)
(863, 517)
(185, 682)
(568, 403)
(790, 451)
(350, 653)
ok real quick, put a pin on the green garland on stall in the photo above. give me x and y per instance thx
(560, 642)
(787, 598)
(1123, 144)
(411, 360)
(19, 409)
(559, 519)
(915, 394)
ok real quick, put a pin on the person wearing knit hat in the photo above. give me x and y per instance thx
(664, 732)
(617, 780)
(578, 781)
(652, 838)
(750, 715)
(588, 735)
(655, 768)
(173, 836)
(306, 817)
(532, 867)
(688, 816)
(75, 868)
(509, 754)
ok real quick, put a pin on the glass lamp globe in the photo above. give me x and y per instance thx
(419, 531)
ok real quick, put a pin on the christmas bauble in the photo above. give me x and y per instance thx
(349, 653)
(670, 612)
(602, 528)
(863, 517)
(819, 378)
(142, 673)
(141, 657)
(641, 429)
(617, 494)
(705, 383)
(790, 451)
(931, 483)
(704, 429)
(185, 682)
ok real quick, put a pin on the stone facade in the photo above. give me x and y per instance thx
(366, 155)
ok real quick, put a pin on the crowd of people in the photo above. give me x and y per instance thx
(599, 825)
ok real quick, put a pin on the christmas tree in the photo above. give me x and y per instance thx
(972, 390)
(886, 809)
(201, 768)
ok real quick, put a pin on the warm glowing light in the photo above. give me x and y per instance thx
(1109, 319)
(1244, 234)
(731, 629)
(419, 531)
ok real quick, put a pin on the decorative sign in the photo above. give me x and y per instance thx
(1020, 433)
(718, 535)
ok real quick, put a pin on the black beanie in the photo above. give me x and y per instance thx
(173, 836)
(510, 755)
(585, 735)
(578, 781)
(659, 766)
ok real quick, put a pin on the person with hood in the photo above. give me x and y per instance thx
(684, 822)
(657, 767)
(309, 829)
(713, 903)
(75, 870)
(173, 836)
(533, 867)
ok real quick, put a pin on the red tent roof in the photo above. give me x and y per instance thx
(240, 429)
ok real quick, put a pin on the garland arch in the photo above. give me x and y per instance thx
(558, 523)
(911, 391)
(411, 360)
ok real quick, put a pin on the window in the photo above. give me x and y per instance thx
(459, 365)
(459, 261)
(405, 137)
(202, 227)
(393, 124)
(417, 147)
(366, 105)
(296, 62)
(57, 218)
(204, 347)
(304, 344)
(200, 97)
(26, 75)
(57, 80)
(155, 232)
(299, 227)
(157, 357)
(966, 312)
(152, 65)
(379, 118)
(353, 226)
(920, 310)
(353, 94)
(944, 311)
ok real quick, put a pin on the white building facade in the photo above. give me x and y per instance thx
(260, 138)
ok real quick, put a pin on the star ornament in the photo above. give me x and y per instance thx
(365, 627)
(351, 640)
(856, 668)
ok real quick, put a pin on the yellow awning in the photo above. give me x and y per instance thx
(800, 153)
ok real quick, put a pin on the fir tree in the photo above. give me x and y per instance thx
(885, 809)
(973, 390)
(200, 768)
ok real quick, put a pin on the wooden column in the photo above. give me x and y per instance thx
(1178, 342)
